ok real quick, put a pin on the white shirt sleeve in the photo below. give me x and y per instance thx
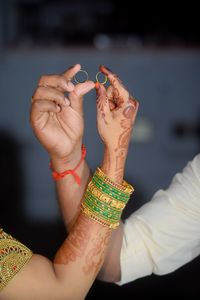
(164, 234)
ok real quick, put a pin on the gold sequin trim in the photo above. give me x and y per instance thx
(13, 256)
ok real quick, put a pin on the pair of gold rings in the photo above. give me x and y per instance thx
(82, 76)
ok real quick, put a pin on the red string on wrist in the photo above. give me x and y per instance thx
(57, 176)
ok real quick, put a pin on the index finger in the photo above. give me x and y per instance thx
(114, 79)
(69, 73)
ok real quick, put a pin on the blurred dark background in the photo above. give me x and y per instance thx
(155, 49)
(79, 23)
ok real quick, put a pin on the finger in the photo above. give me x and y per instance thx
(113, 78)
(120, 93)
(49, 93)
(58, 82)
(102, 101)
(83, 88)
(69, 73)
(135, 104)
(39, 107)
(76, 96)
(130, 111)
(111, 98)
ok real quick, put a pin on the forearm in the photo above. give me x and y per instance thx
(70, 195)
(84, 249)
(111, 269)
(69, 192)
(75, 266)
(79, 259)
(72, 273)
(113, 165)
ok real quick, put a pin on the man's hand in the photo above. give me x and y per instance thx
(57, 115)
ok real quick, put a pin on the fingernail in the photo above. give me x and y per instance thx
(107, 68)
(97, 85)
(104, 68)
(71, 67)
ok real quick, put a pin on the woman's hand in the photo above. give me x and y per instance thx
(57, 115)
(116, 113)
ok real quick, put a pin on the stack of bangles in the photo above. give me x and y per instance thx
(104, 200)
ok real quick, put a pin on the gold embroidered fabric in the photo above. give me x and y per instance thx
(13, 256)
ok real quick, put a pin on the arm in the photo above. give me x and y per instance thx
(79, 259)
(164, 234)
(70, 275)
(63, 140)
(67, 152)
(117, 97)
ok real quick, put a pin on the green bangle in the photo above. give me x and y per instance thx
(101, 211)
(103, 205)
(97, 219)
(109, 191)
(104, 200)
(124, 187)
(111, 201)
(109, 204)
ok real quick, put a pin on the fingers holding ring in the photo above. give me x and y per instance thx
(101, 78)
(81, 76)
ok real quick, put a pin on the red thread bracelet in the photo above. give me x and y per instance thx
(57, 176)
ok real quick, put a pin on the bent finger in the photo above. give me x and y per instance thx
(51, 94)
(39, 107)
(58, 82)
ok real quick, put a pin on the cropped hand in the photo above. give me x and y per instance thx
(116, 113)
(57, 113)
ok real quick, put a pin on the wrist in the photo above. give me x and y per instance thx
(113, 164)
(69, 161)
(74, 171)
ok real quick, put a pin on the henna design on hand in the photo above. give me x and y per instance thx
(124, 138)
(123, 109)
(100, 105)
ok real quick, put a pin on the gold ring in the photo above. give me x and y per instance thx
(81, 81)
(105, 78)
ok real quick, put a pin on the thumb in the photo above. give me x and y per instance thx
(76, 96)
(102, 101)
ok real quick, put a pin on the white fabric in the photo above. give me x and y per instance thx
(164, 234)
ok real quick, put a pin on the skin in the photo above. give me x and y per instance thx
(57, 121)
(121, 111)
(116, 113)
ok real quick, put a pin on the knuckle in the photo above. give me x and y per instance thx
(35, 104)
(41, 79)
(33, 96)
(62, 81)
(37, 93)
